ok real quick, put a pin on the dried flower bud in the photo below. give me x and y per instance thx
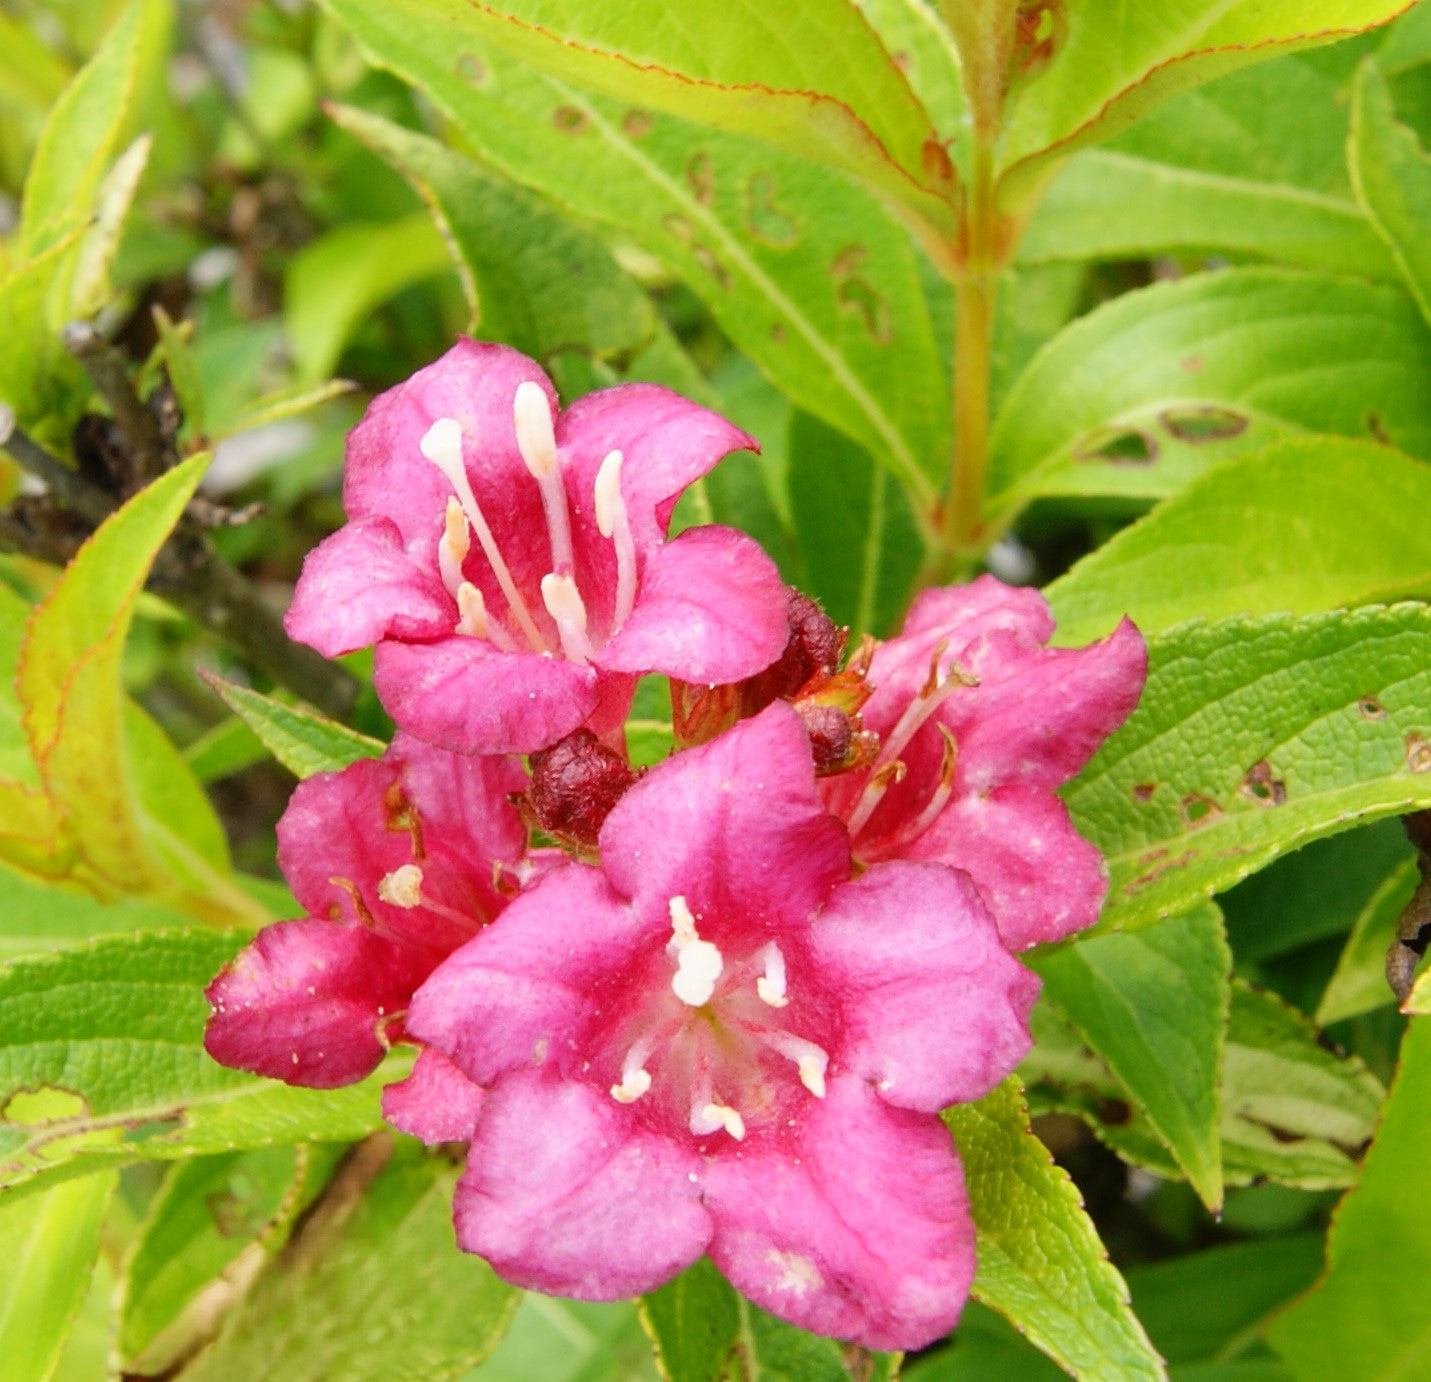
(575, 783)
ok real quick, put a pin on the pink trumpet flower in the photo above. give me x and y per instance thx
(979, 723)
(511, 562)
(717, 1042)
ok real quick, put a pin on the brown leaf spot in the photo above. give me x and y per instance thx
(1191, 364)
(700, 173)
(1262, 787)
(705, 257)
(1369, 708)
(1197, 810)
(569, 120)
(472, 69)
(848, 260)
(1041, 29)
(636, 123)
(1146, 880)
(857, 296)
(1418, 753)
(1113, 1113)
(1377, 428)
(763, 218)
(1200, 422)
(778, 333)
(1143, 791)
(1118, 446)
(679, 227)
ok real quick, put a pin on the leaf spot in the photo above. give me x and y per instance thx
(1262, 787)
(1143, 791)
(1200, 422)
(679, 227)
(636, 123)
(46, 1104)
(569, 120)
(1198, 810)
(1370, 708)
(705, 257)
(763, 218)
(1418, 753)
(472, 69)
(1118, 446)
(1377, 428)
(856, 295)
(848, 260)
(701, 175)
(1191, 364)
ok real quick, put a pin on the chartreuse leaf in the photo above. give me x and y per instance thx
(1154, 1005)
(1358, 984)
(806, 272)
(562, 1340)
(30, 354)
(48, 1243)
(1041, 1263)
(1141, 395)
(1306, 525)
(1392, 176)
(809, 76)
(302, 740)
(1254, 736)
(924, 51)
(1292, 1111)
(704, 1331)
(336, 282)
(1366, 1318)
(90, 288)
(1110, 64)
(102, 1063)
(1251, 164)
(370, 1286)
(216, 1216)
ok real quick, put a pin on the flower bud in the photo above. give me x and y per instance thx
(575, 783)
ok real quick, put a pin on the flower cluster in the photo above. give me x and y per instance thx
(719, 1009)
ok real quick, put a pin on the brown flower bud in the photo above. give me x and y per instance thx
(575, 783)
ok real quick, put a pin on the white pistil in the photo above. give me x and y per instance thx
(402, 887)
(710, 1117)
(615, 525)
(453, 546)
(564, 604)
(532, 415)
(699, 964)
(770, 987)
(810, 1060)
(442, 445)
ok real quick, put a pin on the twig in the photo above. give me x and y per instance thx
(148, 449)
(71, 489)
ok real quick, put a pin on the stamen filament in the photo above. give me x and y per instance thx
(614, 524)
(942, 792)
(770, 987)
(536, 441)
(564, 604)
(810, 1060)
(442, 445)
(881, 780)
(453, 546)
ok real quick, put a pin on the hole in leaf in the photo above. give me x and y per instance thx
(1114, 1113)
(1198, 810)
(1262, 787)
(1119, 446)
(1200, 422)
(34, 1108)
(1370, 708)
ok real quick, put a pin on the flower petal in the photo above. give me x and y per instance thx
(1038, 876)
(710, 608)
(305, 1002)
(564, 1194)
(437, 1102)
(521, 992)
(864, 1235)
(733, 826)
(465, 695)
(359, 585)
(936, 1010)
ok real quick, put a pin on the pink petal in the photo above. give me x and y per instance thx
(359, 585)
(733, 826)
(306, 1001)
(465, 695)
(935, 1009)
(522, 992)
(710, 608)
(1040, 879)
(967, 613)
(865, 1235)
(436, 1103)
(564, 1194)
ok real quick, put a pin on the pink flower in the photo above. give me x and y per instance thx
(511, 562)
(398, 862)
(979, 724)
(717, 1043)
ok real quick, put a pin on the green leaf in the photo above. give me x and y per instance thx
(49, 1243)
(1149, 390)
(806, 272)
(809, 76)
(304, 741)
(1154, 1005)
(1366, 1319)
(34, 370)
(1311, 524)
(84, 128)
(1251, 164)
(1358, 984)
(229, 747)
(571, 1341)
(1254, 736)
(333, 284)
(206, 1235)
(102, 1063)
(370, 1286)
(1392, 176)
(1110, 65)
(857, 538)
(91, 290)
(704, 1331)
(1041, 1263)
(183, 369)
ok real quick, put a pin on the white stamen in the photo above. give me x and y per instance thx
(442, 445)
(710, 1117)
(532, 415)
(564, 604)
(453, 546)
(632, 1086)
(810, 1060)
(683, 925)
(770, 987)
(536, 441)
(698, 970)
(812, 1074)
(881, 780)
(402, 887)
(614, 523)
(471, 611)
